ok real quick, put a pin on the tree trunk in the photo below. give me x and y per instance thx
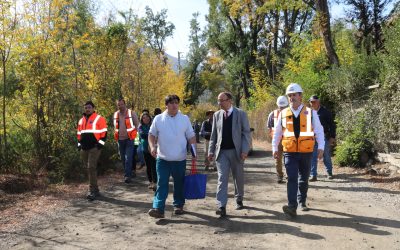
(325, 30)
(3, 59)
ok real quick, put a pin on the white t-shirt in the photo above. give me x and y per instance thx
(172, 134)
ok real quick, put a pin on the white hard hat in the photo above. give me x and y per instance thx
(282, 101)
(293, 88)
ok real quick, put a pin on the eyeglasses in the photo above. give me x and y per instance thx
(220, 100)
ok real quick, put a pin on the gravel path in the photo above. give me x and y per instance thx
(347, 212)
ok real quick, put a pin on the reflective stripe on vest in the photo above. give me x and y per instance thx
(98, 127)
(305, 141)
(130, 127)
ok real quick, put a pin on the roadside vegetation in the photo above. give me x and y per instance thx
(54, 56)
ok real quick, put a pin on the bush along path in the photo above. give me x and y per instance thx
(348, 212)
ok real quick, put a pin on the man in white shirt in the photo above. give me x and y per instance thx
(298, 127)
(171, 130)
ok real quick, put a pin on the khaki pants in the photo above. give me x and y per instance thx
(278, 161)
(90, 158)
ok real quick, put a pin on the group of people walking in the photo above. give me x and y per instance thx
(296, 131)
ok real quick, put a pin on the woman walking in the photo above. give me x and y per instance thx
(145, 123)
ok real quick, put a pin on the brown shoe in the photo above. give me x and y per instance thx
(156, 213)
(178, 210)
(289, 211)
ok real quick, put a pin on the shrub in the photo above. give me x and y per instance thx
(356, 145)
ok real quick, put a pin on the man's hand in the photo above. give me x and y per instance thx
(210, 157)
(153, 151)
(275, 154)
(243, 156)
(320, 154)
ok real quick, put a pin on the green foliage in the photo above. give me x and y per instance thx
(199, 113)
(60, 59)
(156, 29)
(308, 66)
(350, 82)
(384, 106)
(356, 141)
(194, 85)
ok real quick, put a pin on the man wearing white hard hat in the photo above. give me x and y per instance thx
(298, 127)
(282, 103)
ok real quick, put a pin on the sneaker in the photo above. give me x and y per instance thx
(156, 213)
(330, 177)
(304, 207)
(221, 212)
(313, 178)
(289, 211)
(92, 195)
(239, 205)
(178, 210)
(127, 180)
(280, 180)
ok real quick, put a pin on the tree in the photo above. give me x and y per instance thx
(254, 36)
(323, 20)
(156, 29)
(8, 26)
(196, 56)
(369, 15)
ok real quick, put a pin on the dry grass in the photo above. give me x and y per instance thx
(18, 208)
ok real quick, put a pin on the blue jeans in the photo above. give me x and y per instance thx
(298, 170)
(164, 170)
(327, 158)
(126, 151)
(140, 155)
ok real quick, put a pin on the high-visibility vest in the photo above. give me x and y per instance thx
(275, 117)
(95, 124)
(130, 126)
(306, 140)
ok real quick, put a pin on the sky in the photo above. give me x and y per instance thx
(180, 12)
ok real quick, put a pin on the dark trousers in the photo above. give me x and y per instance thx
(151, 167)
(298, 167)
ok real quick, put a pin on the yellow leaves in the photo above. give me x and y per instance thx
(345, 49)
(304, 53)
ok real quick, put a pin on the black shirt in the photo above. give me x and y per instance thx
(326, 119)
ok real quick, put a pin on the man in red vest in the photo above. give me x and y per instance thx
(126, 123)
(92, 134)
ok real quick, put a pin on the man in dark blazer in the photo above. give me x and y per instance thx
(229, 144)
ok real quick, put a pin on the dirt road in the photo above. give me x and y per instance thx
(346, 213)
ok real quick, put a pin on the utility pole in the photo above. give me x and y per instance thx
(179, 62)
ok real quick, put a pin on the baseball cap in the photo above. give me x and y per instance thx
(313, 98)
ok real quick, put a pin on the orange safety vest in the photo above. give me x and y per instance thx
(130, 126)
(306, 140)
(95, 124)
(275, 117)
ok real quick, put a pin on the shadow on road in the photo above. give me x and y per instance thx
(228, 225)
